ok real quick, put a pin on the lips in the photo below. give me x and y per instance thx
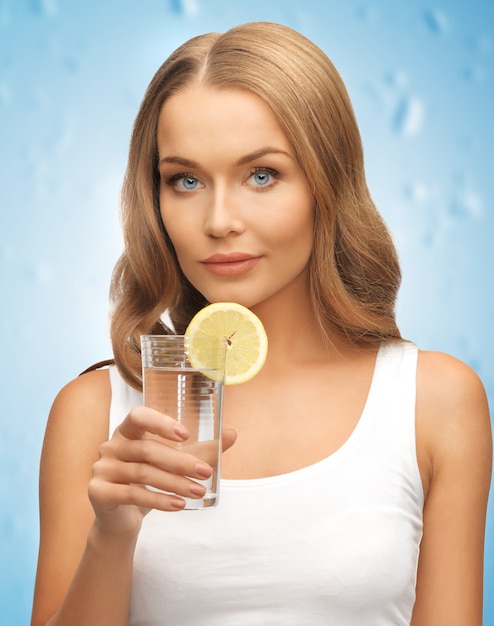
(233, 264)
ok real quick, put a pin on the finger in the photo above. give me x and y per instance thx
(228, 438)
(159, 454)
(106, 498)
(141, 420)
(141, 474)
(206, 451)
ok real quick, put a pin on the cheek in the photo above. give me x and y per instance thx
(297, 226)
(177, 228)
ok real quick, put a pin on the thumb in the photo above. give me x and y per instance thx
(228, 438)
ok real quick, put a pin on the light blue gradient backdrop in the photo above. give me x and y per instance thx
(72, 75)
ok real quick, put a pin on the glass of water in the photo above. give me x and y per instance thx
(193, 397)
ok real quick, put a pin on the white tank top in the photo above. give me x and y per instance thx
(335, 543)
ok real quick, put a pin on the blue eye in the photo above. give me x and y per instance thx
(184, 182)
(188, 182)
(263, 177)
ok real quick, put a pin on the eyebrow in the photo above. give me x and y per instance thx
(260, 153)
(248, 158)
(179, 160)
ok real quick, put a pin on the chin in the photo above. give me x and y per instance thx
(233, 295)
(236, 299)
(247, 293)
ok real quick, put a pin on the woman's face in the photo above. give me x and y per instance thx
(233, 199)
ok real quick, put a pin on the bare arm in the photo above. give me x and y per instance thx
(87, 543)
(77, 425)
(455, 452)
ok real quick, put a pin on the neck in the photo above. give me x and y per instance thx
(293, 330)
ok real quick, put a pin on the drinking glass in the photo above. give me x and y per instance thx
(191, 396)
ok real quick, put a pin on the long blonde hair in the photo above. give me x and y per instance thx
(354, 270)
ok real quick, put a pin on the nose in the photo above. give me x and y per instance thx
(223, 215)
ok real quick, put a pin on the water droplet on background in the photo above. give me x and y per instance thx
(409, 116)
(467, 203)
(185, 8)
(436, 21)
(44, 7)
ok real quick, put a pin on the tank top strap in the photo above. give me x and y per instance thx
(393, 431)
(123, 398)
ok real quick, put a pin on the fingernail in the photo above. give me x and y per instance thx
(177, 504)
(181, 431)
(197, 490)
(203, 470)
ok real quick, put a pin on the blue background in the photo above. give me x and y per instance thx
(72, 75)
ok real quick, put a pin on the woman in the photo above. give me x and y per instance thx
(356, 468)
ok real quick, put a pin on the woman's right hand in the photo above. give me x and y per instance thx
(142, 452)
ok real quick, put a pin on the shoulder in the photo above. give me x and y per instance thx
(89, 389)
(449, 387)
(81, 407)
(89, 384)
(453, 423)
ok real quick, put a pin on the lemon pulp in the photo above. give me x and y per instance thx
(235, 328)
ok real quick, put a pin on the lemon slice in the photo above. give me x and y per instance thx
(245, 341)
